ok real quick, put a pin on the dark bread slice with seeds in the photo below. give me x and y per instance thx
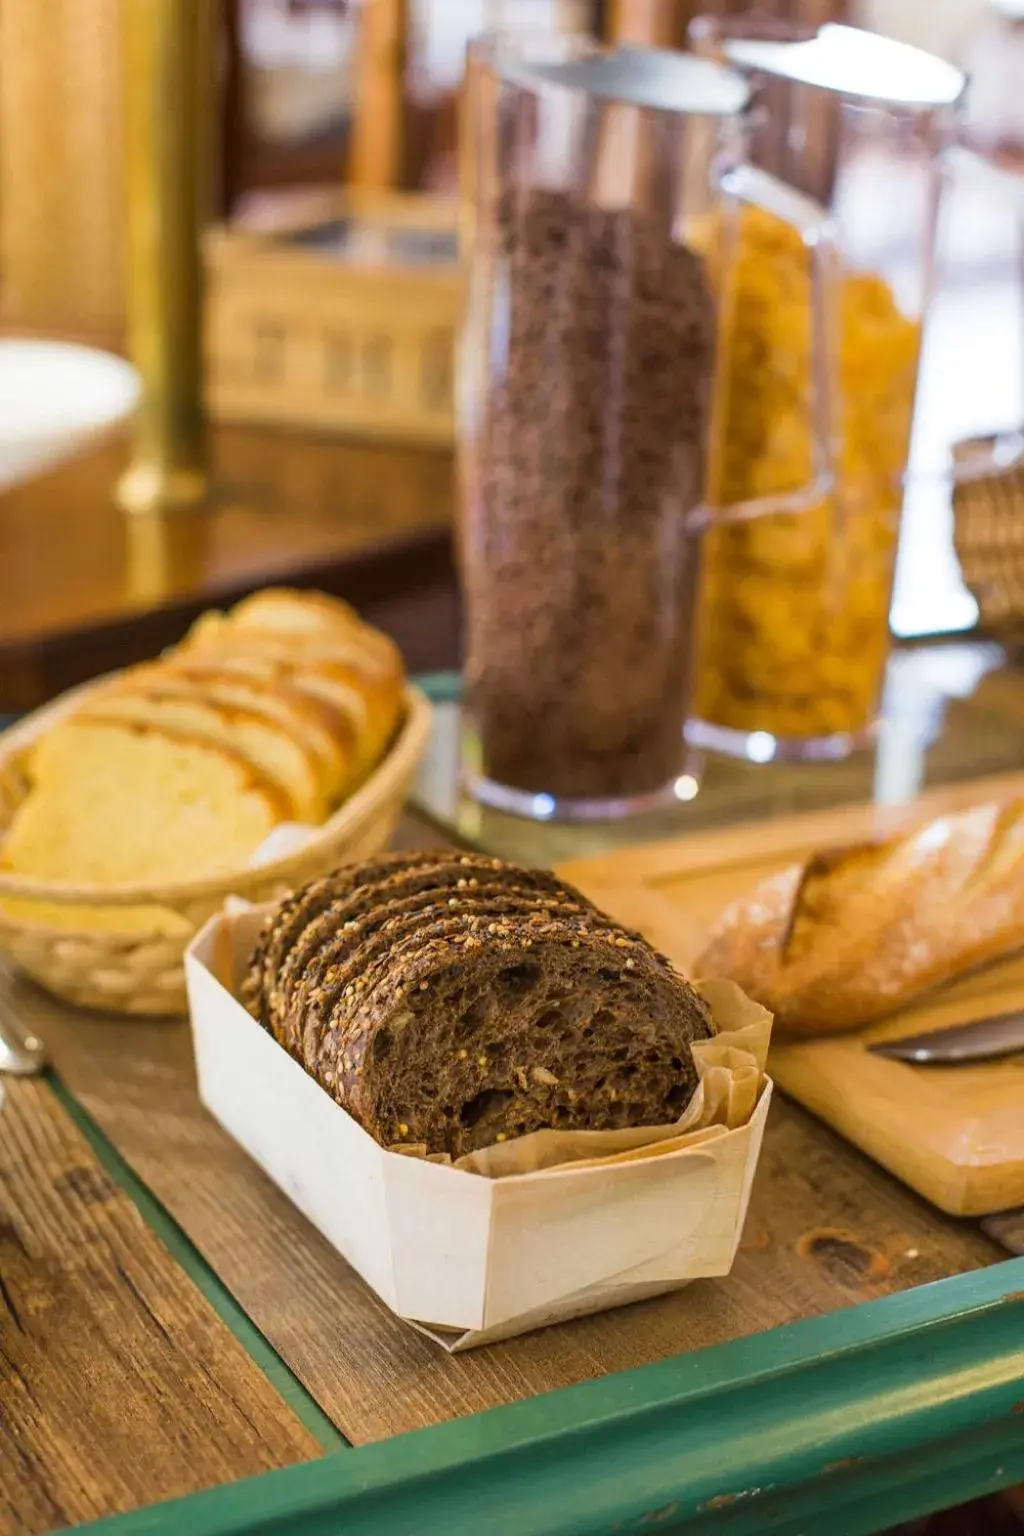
(291, 938)
(453, 1026)
(369, 935)
(287, 921)
(307, 958)
(293, 917)
(482, 1036)
(396, 928)
(488, 912)
(380, 967)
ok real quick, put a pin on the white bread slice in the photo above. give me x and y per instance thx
(255, 683)
(310, 616)
(112, 803)
(379, 663)
(303, 617)
(177, 705)
(321, 670)
(342, 712)
(375, 705)
(288, 608)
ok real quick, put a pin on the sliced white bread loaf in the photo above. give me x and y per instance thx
(115, 803)
(247, 686)
(287, 608)
(325, 651)
(177, 705)
(180, 769)
(369, 706)
(303, 619)
(260, 683)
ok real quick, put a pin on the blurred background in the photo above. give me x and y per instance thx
(325, 109)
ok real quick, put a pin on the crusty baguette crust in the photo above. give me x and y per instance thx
(857, 933)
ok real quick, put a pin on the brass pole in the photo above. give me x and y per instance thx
(167, 51)
(378, 138)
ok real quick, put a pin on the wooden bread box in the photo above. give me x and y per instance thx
(346, 326)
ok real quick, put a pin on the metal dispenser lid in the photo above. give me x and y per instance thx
(641, 77)
(851, 62)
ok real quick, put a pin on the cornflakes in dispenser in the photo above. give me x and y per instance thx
(793, 630)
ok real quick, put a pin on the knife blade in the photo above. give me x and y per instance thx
(1001, 1034)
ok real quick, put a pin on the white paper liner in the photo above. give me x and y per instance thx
(287, 837)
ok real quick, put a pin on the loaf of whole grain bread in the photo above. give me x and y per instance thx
(451, 1001)
(857, 933)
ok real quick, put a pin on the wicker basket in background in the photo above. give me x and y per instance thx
(141, 972)
(988, 534)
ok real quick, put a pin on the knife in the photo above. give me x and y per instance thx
(22, 1053)
(1002, 1034)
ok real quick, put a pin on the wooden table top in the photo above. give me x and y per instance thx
(168, 1321)
(84, 588)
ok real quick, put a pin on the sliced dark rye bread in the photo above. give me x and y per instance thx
(475, 1034)
(393, 934)
(366, 947)
(386, 943)
(284, 924)
(367, 923)
(383, 962)
(289, 921)
(304, 961)
(380, 965)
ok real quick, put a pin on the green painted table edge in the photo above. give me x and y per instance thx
(866, 1417)
(441, 687)
(872, 1415)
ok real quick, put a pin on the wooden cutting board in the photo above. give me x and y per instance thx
(955, 1134)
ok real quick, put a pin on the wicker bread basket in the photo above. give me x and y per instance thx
(141, 972)
(988, 534)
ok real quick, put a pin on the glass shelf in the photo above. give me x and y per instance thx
(952, 711)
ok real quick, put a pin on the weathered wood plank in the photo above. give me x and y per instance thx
(119, 1385)
(827, 1229)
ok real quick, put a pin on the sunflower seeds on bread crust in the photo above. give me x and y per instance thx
(286, 922)
(294, 963)
(376, 944)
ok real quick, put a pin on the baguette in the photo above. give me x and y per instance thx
(857, 933)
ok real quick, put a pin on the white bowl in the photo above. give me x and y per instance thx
(55, 399)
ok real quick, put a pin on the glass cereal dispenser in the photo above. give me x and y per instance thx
(605, 190)
(793, 628)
